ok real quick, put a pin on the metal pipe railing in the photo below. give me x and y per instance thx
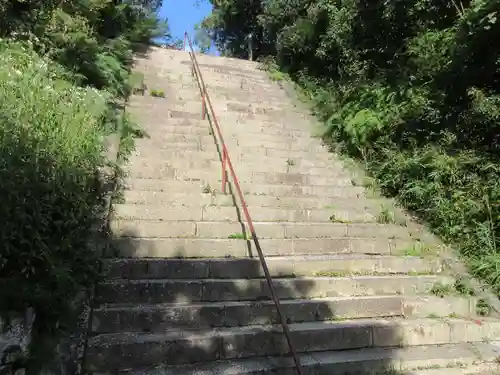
(227, 164)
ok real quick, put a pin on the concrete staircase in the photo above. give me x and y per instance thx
(362, 293)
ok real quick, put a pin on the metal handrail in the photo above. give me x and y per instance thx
(227, 164)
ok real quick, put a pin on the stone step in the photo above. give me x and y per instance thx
(144, 152)
(217, 229)
(200, 199)
(165, 317)
(450, 359)
(202, 127)
(212, 185)
(235, 150)
(219, 105)
(152, 168)
(235, 247)
(271, 169)
(234, 142)
(165, 171)
(154, 291)
(218, 93)
(226, 213)
(211, 82)
(187, 346)
(241, 127)
(289, 266)
(310, 166)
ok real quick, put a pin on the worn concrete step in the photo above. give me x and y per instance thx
(220, 73)
(173, 187)
(294, 190)
(201, 199)
(212, 185)
(165, 171)
(198, 126)
(217, 229)
(152, 168)
(234, 150)
(221, 93)
(450, 359)
(164, 317)
(238, 158)
(289, 266)
(187, 346)
(278, 165)
(242, 162)
(213, 290)
(227, 213)
(197, 129)
(220, 105)
(167, 145)
(234, 141)
(227, 82)
(235, 247)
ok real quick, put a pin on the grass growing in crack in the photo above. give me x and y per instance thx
(441, 290)
(458, 288)
(419, 249)
(157, 93)
(335, 219)
(290, 162)
(239, 236)
(207, 189)
(386, 216)
(483, 308)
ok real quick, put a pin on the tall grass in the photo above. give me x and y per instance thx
(51, 140)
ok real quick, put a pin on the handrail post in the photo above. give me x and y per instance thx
(185, 41)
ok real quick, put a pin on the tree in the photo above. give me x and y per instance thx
(202, 39)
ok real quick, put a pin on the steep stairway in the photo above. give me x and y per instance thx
(362, 293)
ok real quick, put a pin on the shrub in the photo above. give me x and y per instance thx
(157, 93)
(51, 137)
(411, 87)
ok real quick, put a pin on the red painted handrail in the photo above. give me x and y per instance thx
(227, 164)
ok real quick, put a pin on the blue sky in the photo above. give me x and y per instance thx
(184, 14)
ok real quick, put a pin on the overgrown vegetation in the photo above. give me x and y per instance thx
(411, 88)
(64, 74)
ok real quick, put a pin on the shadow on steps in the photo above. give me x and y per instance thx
(193, 315)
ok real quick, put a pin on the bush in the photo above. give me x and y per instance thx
(410, 87)
(51, 140)
(64, 77)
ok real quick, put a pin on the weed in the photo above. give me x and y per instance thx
(334, 219)
(240, 236)
(463, 287)
(441, 290)
(157, 93)
(483, 308)
(207, 189)
(290, 162)
(386, 216)
(419, 249)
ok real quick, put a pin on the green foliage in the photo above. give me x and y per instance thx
(157, 93)
(50, 152)
(412, 87)
(64, 76)
(202, 39)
